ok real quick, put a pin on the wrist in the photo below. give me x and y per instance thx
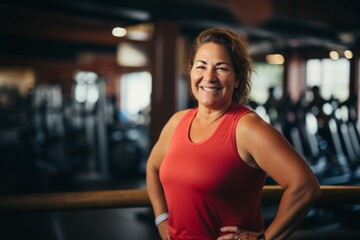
(162, 217)
(261, 237)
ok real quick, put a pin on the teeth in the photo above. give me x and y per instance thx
(210, 89)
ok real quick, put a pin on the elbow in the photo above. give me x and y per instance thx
(307, 192)
(313, 191)
(315, 188)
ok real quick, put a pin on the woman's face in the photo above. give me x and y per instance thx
(212, 76)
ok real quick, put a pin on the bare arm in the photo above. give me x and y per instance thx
(154, 187)
(261, 144)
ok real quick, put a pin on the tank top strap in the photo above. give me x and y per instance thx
(238, 110)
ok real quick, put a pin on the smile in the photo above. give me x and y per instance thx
(210, 89)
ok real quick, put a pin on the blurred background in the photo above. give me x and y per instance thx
(86, 86)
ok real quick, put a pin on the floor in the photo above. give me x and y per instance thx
(137, 223)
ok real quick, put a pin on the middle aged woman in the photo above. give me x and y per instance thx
(206, 171)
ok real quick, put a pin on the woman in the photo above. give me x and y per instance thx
(206, 171)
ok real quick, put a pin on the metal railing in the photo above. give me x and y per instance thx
(331, 195)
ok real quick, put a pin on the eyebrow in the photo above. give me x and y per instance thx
(217, 64)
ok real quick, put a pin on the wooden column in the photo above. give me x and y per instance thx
(296, 76)
(163, 55)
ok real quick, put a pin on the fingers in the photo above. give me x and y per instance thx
(236, 233)
(165, 237)
(229, 237)
(236, 236)
(232, 229)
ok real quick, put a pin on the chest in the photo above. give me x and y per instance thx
(205, 170)
(200, 132)
(212, 166)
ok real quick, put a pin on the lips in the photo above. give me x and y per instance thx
(210, 89)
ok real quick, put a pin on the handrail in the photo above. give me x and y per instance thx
(139, 198)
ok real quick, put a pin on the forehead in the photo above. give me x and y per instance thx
(212, 51)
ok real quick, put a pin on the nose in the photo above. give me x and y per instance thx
(209, 75)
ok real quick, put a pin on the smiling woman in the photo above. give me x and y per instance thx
(235, 51)
(211, 155)
(213, 77)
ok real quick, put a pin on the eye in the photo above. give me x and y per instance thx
(200, 67)
(224, 69)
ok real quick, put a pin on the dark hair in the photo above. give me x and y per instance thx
(238, 51)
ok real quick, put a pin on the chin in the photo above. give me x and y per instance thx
(209, 104)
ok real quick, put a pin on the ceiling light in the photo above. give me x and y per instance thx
(119, 32)
(334, 55)
(348, 54)
(275, 59)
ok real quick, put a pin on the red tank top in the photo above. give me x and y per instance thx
(207, 185)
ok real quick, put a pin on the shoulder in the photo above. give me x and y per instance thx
(251, 133)
(173, 122)
(251, 121)
(177, 117)
(238, 110)
(252, 130)
(161, 146)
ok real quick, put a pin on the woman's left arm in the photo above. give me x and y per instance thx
(261, 144)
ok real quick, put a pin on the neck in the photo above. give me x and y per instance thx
(209, 115)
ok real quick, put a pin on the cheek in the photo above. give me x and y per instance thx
(195, 78)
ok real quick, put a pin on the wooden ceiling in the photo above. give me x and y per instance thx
(51, 27)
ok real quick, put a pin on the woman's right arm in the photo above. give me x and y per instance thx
(154, 187)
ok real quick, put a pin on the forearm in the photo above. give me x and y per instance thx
(158, 202)
(156, 193)
(293, 208)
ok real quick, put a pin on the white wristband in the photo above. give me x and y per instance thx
(160, 218)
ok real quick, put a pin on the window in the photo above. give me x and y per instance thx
(263, 78)
(135, 95)
(331, 76)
